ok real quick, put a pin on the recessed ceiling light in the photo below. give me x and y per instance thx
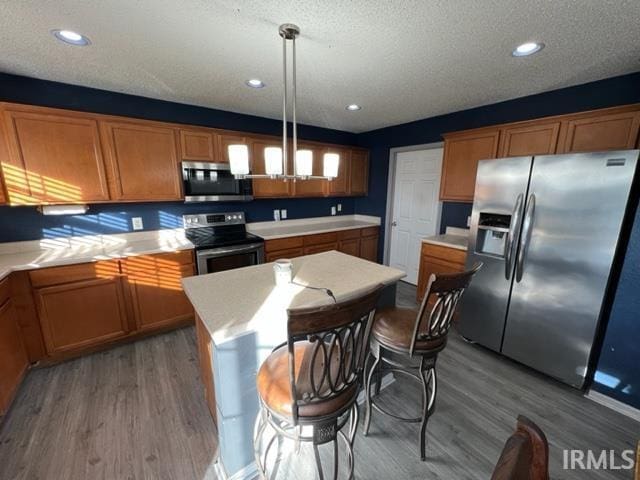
(255, 83)
(353, 107)
(71, 37)
(526, 49)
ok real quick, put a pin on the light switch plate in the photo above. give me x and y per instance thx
(136, 222)
(333, 210)
(276, 215)
(339, 207)
(283, 214)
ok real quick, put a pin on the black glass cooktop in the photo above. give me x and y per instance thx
(212, 237)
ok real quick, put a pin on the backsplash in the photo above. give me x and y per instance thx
(26, 223)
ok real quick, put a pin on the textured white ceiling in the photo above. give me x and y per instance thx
(402, 60)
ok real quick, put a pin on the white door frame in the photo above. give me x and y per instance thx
(391, 190)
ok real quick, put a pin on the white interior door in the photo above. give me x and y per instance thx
(416, 210)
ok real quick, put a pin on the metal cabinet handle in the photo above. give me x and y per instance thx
(509, 241)
(525, 236)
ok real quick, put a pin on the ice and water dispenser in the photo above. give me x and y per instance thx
(492, 234)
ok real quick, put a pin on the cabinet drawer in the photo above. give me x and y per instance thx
(283, 244)
(370, 231)
(349, 234)
(321, 238)
(290, 253)
(452, 255)
(74, 273)
(4, 290)
(160, 260)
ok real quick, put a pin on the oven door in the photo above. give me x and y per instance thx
(213, 182)
(227, 258)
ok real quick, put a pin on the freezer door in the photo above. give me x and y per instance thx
(574, 212)
(501, 186)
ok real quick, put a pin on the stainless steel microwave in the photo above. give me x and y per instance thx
(213, 182)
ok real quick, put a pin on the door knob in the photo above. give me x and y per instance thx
(394, 224)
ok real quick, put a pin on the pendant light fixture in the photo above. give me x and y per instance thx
(276, 158)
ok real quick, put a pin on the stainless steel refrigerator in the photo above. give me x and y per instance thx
(546, 229)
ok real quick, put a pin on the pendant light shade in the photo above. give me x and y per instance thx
(273, 160)
(304, 163)
(239, 159)
(331, 164)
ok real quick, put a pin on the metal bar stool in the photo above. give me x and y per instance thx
(408, 342)
(308, 387)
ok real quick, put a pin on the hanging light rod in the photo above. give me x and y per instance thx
(276, 159)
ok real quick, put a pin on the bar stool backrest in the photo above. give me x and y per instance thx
(439, 305)
(338, 341)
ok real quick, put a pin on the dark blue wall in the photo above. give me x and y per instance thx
(618, 369)
(25, 223)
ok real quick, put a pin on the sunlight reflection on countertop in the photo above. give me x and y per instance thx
(51, 252)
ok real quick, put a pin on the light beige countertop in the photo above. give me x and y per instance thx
(453, 238)
(69, 250)
(310, 226)
(244, 300)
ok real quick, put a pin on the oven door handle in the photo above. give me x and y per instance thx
(219, 252)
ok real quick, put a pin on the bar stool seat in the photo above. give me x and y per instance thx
(274, 386)
(393, 328)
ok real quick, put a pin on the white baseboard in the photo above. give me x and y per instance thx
(616, 405)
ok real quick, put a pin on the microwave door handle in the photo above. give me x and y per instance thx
(509, 241)
(525, 236)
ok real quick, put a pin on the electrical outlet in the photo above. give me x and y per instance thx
(468, 221)
(136, 222)
(283, 214)
(276, 215)
(333, 210)
(339, 207)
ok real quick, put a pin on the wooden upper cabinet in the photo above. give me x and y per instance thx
(339, 186)
(143, 161)
(462, 151)
(199, 145)
(52, 157)
(311, 188)
(533, 139)
(359, 174)
(266, 187)
(225, 141)
(597, 132)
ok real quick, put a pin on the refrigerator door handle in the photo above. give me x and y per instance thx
(525, 236)
(508, 244)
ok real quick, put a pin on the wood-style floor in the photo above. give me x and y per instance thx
(137, 412)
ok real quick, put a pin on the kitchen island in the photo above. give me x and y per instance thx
(242, 317)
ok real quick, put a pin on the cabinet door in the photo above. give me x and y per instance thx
(460, 163)
(156, 290)
(369, 248)
(82, 314)
(438, 259)
(53, 158)
(205, 359)
(289, 253)
(325, 247)
(225, 141)
(534, 139)
(13, 356)
(311, 188)
(359, 177)
(339, 186)
(199, 145)
(266, 188)
(616, 131)
(350, 247)
(143, 161)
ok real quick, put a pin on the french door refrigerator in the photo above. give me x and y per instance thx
(546, 229)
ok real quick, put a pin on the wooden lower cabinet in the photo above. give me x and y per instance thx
(438, 259)
(82, 314)
(288, 253)
(369, 248)
(205, 358)
(323, 247)
(156, 290)
(13, 356)
(350, 247)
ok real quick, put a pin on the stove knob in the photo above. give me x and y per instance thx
(195, 220)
